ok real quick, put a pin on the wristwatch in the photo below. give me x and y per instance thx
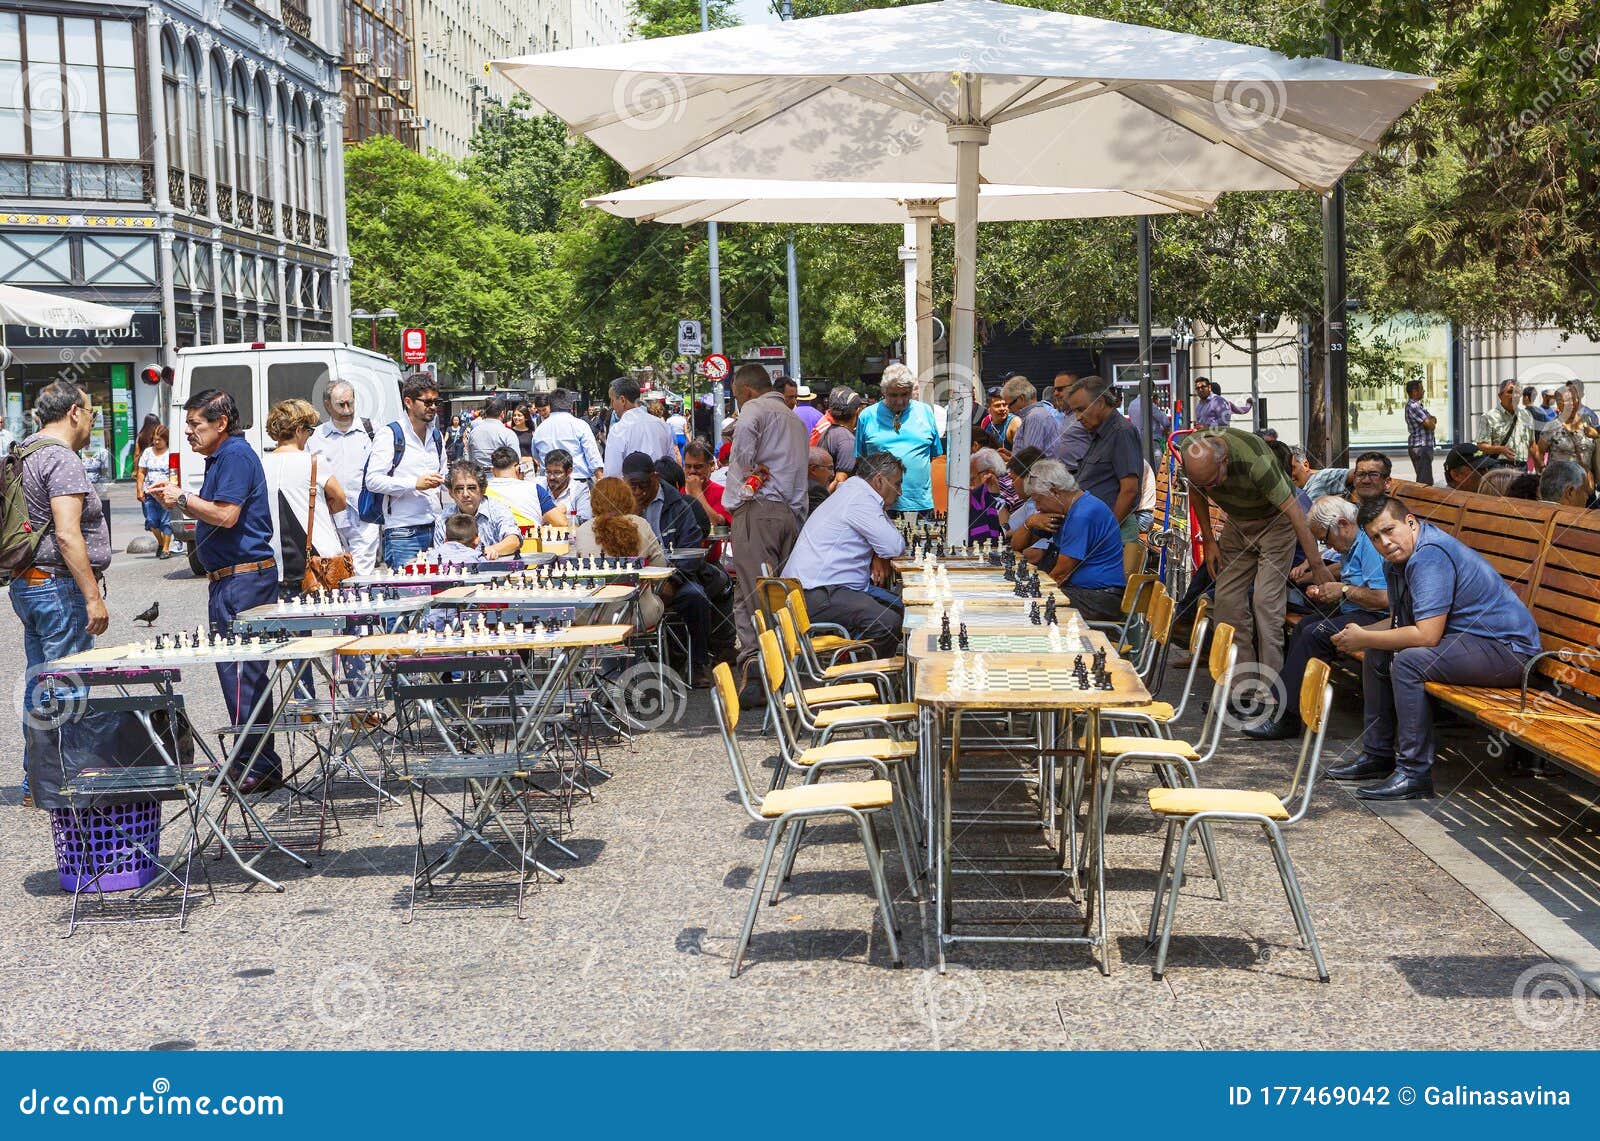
(1344, 589)
(183, 502)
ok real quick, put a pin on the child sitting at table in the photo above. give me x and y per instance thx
(460, 548)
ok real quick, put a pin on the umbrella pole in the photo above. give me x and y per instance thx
(922, 216)
(967, 137)
(908, 263)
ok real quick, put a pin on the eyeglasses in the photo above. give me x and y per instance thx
(1370, 475)
(430, 401)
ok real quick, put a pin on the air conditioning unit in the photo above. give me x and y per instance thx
(385, 73)
(361, 59)
(402, 85)
(385, 103)
(362, 90)
(407, 115)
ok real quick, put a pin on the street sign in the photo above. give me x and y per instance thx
(414, 346)
(690, 342)
(680, 368)
(717, 367)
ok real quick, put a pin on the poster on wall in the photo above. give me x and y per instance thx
(122, 434)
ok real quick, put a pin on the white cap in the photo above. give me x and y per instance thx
(804, 393)
(727, 422)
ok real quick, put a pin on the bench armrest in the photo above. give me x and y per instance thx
(1527, 672)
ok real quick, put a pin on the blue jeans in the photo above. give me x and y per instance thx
(55, 621)
(244, 682)
(402, 544)
(156, 517)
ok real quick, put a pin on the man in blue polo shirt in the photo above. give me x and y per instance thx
(1455, 621)
(1074, 539)
(906, 429)
(233, 540)
(1362, 594)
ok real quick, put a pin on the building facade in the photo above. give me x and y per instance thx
(180, 158)
(379, 80)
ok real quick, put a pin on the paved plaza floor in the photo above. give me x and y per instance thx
(1439, 921)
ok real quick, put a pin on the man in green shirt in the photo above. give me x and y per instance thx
(1237, 472)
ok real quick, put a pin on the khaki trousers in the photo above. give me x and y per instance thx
(762, 532)
(1252, 590)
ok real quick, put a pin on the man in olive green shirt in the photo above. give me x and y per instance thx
(1237, 472)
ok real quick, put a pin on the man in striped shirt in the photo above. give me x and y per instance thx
(1420, 425)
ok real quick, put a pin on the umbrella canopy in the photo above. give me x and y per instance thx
(688, 200)
(51, 311)
(915, 93)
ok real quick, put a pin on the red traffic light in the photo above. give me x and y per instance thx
(154, 375)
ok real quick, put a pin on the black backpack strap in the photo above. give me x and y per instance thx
(367, 424)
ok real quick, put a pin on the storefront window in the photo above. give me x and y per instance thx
(1384, 357)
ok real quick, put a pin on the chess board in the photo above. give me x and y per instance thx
(211, 650)
(355, 607)
(1036, 641)
(467, 641)
(1021, 683)
(570, 594)
(981, 611)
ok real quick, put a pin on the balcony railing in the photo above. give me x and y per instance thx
(200, 195)
(319, 231)
(303, 218)
(296, 19)
(264, 215)
(178, 187)
(245, 210)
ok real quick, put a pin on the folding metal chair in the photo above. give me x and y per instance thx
(462, 719)
(805, 653)
(1157, 717)
(1186, 811)
(824, 638)
(1170, 756)
(857, 801)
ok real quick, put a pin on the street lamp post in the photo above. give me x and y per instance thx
(372, 319)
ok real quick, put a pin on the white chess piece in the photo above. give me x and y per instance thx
(1055, 639)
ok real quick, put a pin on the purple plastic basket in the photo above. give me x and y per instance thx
(101, 840)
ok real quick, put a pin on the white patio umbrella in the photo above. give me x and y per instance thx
(51, 311)
(914, 93)
(689, 200)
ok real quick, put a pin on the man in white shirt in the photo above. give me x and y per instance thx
(410, 484)
(489, 432)
(571, 495)
(842, 555)
(345, 442)
(562, 431)
(635, 430)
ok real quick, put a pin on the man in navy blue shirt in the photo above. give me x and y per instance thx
(233, 540)
(1074, 539)
(1454, 620)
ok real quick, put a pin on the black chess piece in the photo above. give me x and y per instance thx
(1010, 573)
(1050, 611)
(961, 637)
(944, 633)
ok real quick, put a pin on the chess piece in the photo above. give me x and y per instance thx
(1033, 614)
(961, 637)
(944, 632)
(1050, 611)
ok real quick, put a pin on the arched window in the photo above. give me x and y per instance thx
(300, 159)
(241, 129)
(219, 92)
(263, 105)
(194, 153)
(316, 200)
(171, 121)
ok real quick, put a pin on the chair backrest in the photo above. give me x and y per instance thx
(788, 636)
(1132, 557)
(725, 700)
(1316, 695)
(773, 593)
(776, 679)
(1161, 608)
(797, 607)
(1153, 658)
(1135, 592)
(1224, 658)
(1218, 662)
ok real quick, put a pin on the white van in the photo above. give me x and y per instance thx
(261, 374)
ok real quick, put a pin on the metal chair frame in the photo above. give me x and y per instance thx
(1316, 695)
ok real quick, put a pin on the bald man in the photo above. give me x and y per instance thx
(1238, 472)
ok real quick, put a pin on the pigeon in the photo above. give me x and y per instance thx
(149, 616)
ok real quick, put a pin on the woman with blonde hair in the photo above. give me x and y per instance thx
(299, 487)
(615, 530)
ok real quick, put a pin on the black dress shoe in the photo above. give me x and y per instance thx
(262, 783)
(1400, 786)
(1362, 768)
(1283, 729)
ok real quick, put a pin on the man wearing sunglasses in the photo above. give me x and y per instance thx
(407, 467)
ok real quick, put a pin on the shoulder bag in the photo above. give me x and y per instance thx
(322, 572)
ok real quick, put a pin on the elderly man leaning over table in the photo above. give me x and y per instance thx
(1238, 472)
(1074, 538)
(842, 558)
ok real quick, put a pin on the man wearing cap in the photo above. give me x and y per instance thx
(673, 520)
(765, 492)
(565, 432)
(635, 430)
(1506, 430)
(907, 429)
(1464, 466)
(1455, 621)
(1238, 472)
